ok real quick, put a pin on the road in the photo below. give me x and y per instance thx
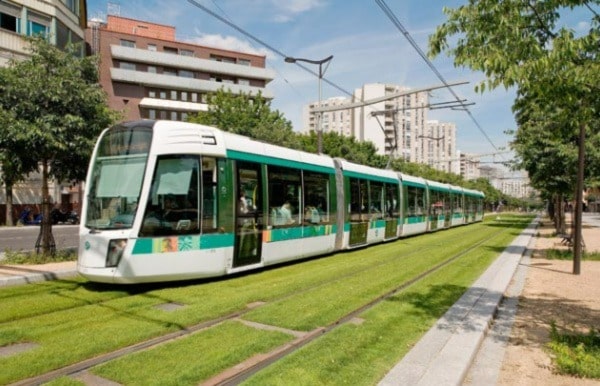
(24, 238)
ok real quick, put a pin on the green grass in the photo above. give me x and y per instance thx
(196, 358)
(576, 354)
(73, 320)
(567, 254)
(21, 257)
(388, 332)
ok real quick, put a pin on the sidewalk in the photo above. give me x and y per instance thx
(446, 353)
(23, 274)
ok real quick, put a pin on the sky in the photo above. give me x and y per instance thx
(366, 46)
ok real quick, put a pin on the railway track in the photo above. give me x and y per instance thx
(247, 368)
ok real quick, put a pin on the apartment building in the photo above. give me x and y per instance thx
(469, 166)
(61, 21)
(436, 146)
(148, 73)
(397, 124)
(338, 121)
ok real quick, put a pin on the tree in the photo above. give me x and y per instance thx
(555, 70)
(57, 110)
(247, 115)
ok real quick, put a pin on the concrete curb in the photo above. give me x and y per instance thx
(36, 277)
(444, 354)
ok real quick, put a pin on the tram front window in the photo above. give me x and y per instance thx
(116, 179)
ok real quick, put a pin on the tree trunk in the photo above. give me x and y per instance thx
(45, 238)
(9, 205)
(561, 215)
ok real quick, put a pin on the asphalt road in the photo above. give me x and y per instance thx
(23, 238)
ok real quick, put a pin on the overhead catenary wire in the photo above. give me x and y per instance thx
(263, 43)
(367, 104)
(388, 12)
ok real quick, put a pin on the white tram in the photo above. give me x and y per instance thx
(170, 200)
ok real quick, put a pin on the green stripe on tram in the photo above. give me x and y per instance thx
(243, 156)
(182, 243)
(414, 219)
(377, 224)
(371, 177)
(293, 233)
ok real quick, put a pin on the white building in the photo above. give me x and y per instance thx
(62, 21)
(469, 166)
(398, 126)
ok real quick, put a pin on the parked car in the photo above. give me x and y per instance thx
(66, 217)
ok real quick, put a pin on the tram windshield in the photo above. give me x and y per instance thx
(117, 176)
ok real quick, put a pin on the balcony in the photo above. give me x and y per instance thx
(149, 79)
(131, 54)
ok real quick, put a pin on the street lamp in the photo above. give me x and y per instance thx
(327, 60)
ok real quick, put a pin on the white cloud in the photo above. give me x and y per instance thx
(227, 43)
(287, 10)
(583, 26)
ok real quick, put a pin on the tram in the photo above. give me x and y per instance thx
(169, 200)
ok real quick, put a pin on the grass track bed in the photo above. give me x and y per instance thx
(91, 322)
(205, 356)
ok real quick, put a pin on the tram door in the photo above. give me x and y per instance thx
(249, 215)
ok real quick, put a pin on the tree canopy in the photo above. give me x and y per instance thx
(247, 115)
(528, 45)
(52, 109)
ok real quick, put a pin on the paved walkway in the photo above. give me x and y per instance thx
(445, 353)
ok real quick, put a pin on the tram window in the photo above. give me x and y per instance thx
(285, 189)
(416, 201)
(392, 208)
(317, 208)
(173, 204)
(458, 203)
(376, 200)
(437, 202)
(209, 195)
(358, 199)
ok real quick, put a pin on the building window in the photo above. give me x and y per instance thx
(73, 5)
(151, 47)
(34, 28)
(127, 66)
(152, 93)
(10, 17)
(152, 69)
(62, 35)
(163, 94)
(243, 62)
(186, 74)
(173, 115)
(186, 52)
(127, 43)
(173, 95)
(184, 116)
(243, 82)
(194, 96)
(169, 71)
(152, 114)
(184, 96)
(171, 50)
(223, 59)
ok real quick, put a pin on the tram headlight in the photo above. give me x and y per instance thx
(115, 252)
